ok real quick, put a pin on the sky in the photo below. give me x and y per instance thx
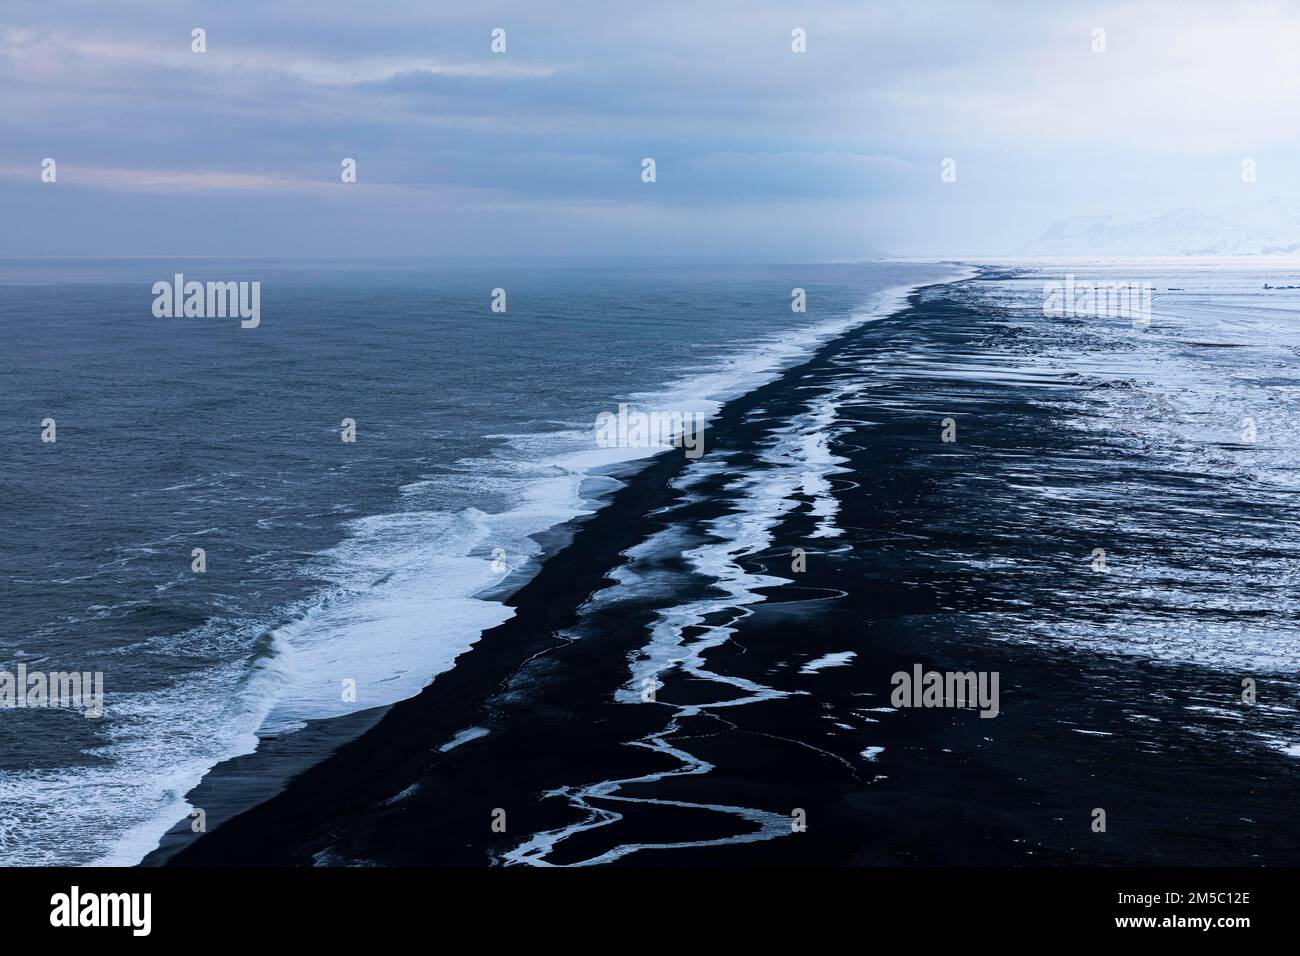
(834, 153)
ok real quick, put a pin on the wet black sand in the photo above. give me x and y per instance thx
(948, 561)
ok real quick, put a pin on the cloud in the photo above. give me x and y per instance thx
(850, 132)
(39, 56)
(162, 180)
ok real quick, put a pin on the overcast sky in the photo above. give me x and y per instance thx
(834, 153)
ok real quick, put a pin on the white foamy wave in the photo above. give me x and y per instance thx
(113, 812)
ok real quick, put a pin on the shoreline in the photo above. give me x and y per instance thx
(243, 782)
(451, 703)
(936, 563)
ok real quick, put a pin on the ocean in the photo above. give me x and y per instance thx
(339, 576)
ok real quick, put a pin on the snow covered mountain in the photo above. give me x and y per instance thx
(1269, 227)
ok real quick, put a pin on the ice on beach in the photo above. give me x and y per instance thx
(838, 659)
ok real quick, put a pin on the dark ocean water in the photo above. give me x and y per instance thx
(326, 561)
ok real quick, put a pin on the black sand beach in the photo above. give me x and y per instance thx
(947, 560)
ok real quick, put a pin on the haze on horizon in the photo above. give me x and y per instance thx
(760, 151)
